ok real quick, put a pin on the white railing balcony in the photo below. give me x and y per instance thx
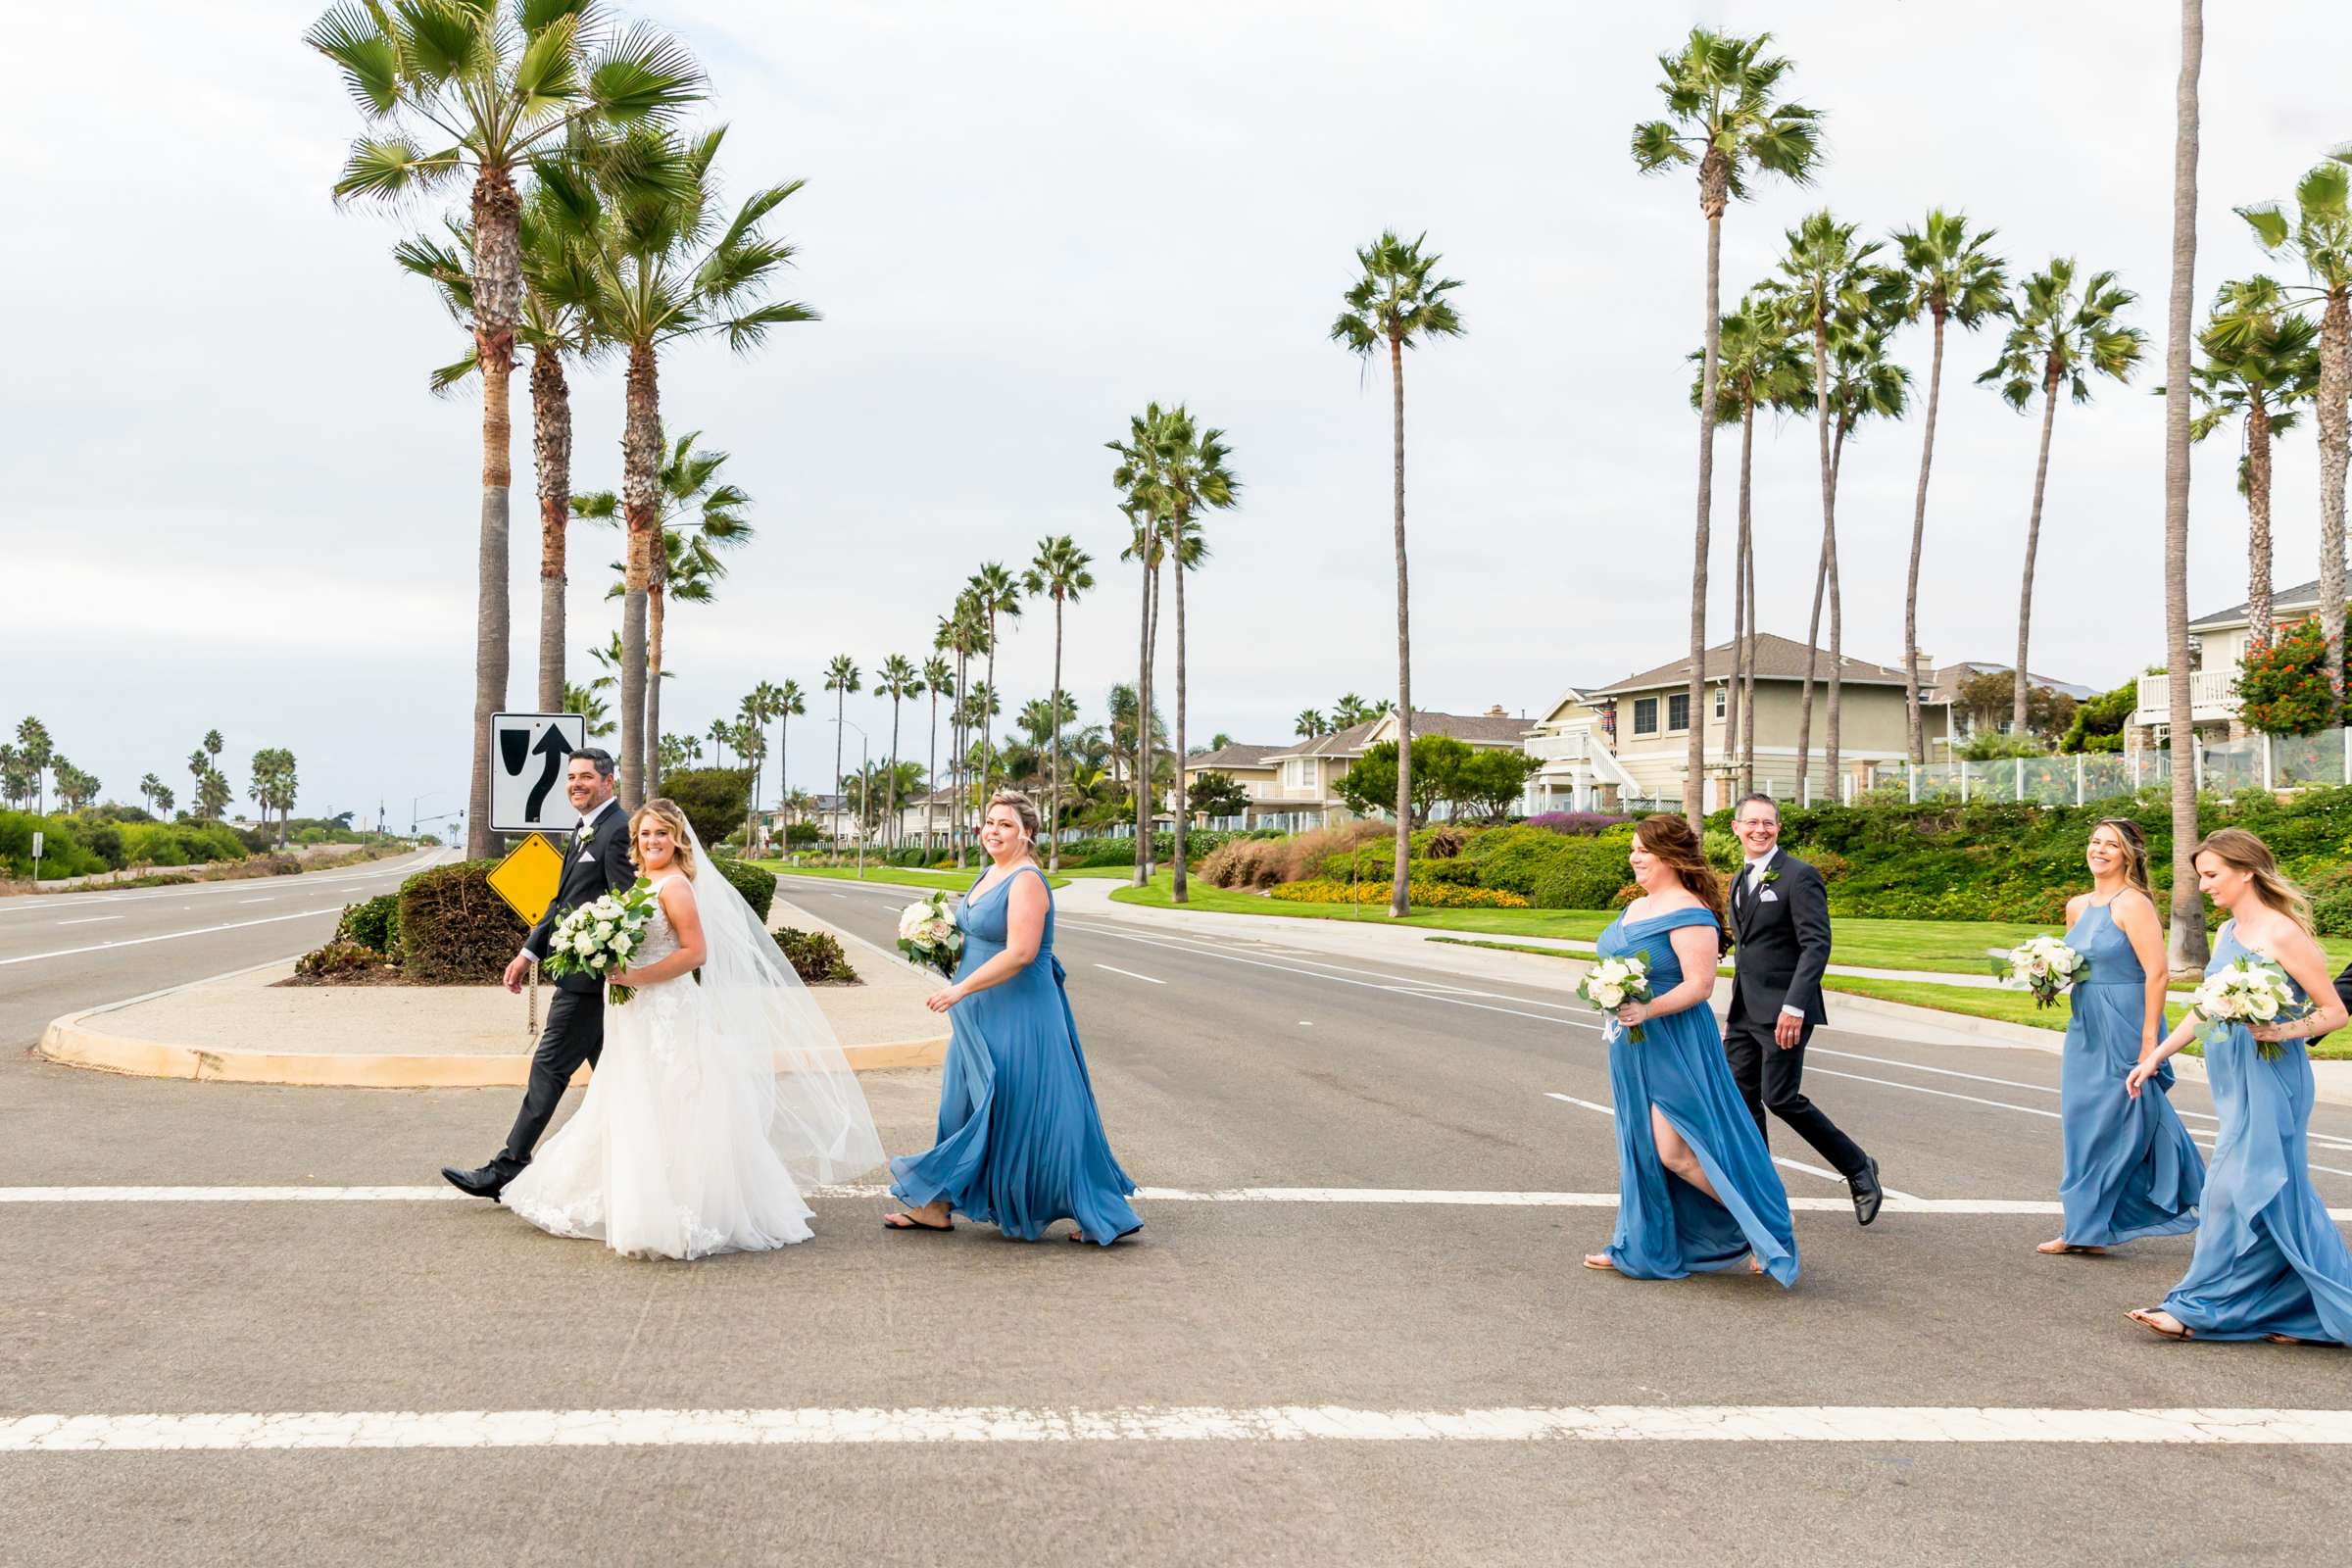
(1576, 745)
(2212, 695)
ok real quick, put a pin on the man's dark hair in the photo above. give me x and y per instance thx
(605, 765)
(1760, 797)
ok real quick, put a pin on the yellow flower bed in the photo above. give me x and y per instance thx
(1426, 895)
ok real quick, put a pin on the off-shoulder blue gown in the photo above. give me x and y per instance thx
(1667, 1228)
(2269, 1260)
(2131, 1168)
(1020, 1142)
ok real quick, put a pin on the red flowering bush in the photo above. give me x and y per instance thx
(2283, 689)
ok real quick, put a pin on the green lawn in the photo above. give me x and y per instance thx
(896, 875)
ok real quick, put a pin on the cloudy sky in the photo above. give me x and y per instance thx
(233, 504)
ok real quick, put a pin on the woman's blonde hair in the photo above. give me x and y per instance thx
(2242, 851)
(1022, 807)
(681, 837)
(2135, 851)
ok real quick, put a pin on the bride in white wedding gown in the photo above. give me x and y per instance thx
(721, 1095)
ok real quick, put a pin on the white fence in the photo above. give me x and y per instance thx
(2223, 767)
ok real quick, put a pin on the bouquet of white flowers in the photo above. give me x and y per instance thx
(600, 938)
(2044, 966)
(2250, 990)
(929, 935)
(1611, 983)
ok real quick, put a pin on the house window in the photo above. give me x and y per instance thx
(1645, 715)
(1719, 702)
(1678, 710)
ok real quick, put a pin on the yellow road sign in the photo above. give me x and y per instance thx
(528, 877)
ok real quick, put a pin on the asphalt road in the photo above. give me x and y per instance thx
(1225, 1066)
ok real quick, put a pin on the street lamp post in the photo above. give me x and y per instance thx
(865, 776)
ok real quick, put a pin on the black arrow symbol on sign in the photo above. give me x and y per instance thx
(557, 746)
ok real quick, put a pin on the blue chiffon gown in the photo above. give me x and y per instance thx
(1667, 1228)
(2269, 1260)
(2131, 1168)
(1020, 1142)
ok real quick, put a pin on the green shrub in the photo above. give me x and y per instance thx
(339, 957)
(64, 852)
(801, 836)
(2331, 893)
(1425, 895)
(1588, 876)
(374, 924)
(815, 956)
(716, 800)
(454, 930)
(1517, 860)
(757, 887)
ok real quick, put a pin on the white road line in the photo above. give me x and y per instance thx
(93, 919)
(1941, 1093)
(1778, 1159)
(269, 898)
(1131, 974)
(1376, 1197)
(246, 1432)
(51, 903)
(168, 936)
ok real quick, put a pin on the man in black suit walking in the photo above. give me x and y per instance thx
(595, 861)
(1780, 926)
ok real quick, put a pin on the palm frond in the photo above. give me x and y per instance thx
(450, 376)
(748, 330)
(348, 35)
(385, 169)
(646, 75)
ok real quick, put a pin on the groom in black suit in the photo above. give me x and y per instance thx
(595, 861)
(1780, 925)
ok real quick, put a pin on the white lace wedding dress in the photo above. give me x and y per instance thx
(707, 1096)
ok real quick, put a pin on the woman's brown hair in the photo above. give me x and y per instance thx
(1670, 839)
(2135, 851)
(2242, 851)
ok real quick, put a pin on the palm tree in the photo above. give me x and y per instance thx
(1059, 572)
(1864, 384)
(898, 679)
(2321, 236)
(2058, 337)
(790, 702)
(939, 680)
(1308, 724)
(666, 269)
(1350, 710)
(1755, 363)
(149, 787)
(998, 592)
(699, 516)
(1948, 275)
(583, 700)
(36, 751)
(1722, 117)
(1829, 287)
(963, 634)
(841, 679)
(1136, 476)
(2186, 942)
(719, 735)
(1194, 475)
(759, 705)
(1397, 303)
(501, 82)
(2261, 360)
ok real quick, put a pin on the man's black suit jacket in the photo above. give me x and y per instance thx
(593, 867)
(1782, 933)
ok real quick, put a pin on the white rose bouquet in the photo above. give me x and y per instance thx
(602, 937)
(2250, 990)
(929, 935)
(1611, 983)
(2044, 966)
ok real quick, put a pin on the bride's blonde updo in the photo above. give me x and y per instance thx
(681, 837)
(1022, 807)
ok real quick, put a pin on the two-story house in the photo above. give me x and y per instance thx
(1251, 766)
(1308, 771)
(2216, 644)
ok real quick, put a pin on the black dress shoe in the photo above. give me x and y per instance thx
(487, 1181)
(1868, 1194)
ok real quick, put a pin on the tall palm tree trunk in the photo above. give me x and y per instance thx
(1748, 741)
(2336, 450)
(784, 773)
(1914, 726)
(1179, 894)
(957, 730)
(2024, 591)
(1053, 792)
(1400, 888)
(640, 500)
(1804, 701)
(988, 751)
(931, 777)
(1830, 749)
(1742, 609)
(2258, 523)
(497, 302)
(1828, 514)
(2185, 943)
(551, 446)
(1714, 194)
(891, 794)
(657, 604)
(841, 700)
(1143, 710)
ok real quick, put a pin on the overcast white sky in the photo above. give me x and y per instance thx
(233, 503)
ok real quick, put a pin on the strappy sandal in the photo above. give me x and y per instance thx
(1600, 1263)
(2145, 1320)
(2061, 1247)
(913, 1224)
(2289, 1339)
(1085, 1240)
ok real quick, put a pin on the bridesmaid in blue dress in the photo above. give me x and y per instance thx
(1020, 1142)
(2269, 1264)
(2130, 1167)
(1696, 1190)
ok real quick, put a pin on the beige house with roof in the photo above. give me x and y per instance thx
(2217, 642)
(1249, 765)
(1308, 771)
(1642, 721)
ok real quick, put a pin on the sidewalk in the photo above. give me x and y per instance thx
(245, 1027)
(1374, 939)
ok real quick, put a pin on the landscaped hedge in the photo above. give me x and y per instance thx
(757, 887)
(815, 956)
(87, 844)
(374, 924)
(454, 930)
(1424, 895)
